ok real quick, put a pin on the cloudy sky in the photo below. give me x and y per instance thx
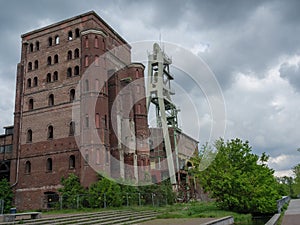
(252, 47)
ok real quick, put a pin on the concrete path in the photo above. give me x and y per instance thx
(292, 214)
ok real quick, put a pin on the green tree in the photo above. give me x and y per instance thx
(6, 194)
(71, 191)
(296, 184)
(105, 192)
(238, 179)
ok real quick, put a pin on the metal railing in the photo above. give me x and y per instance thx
(281, 202)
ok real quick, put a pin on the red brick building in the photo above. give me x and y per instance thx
(80, 108)
(53, 61)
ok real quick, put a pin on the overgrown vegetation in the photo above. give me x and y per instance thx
(6, 194)
(108, 193)
(239, 180)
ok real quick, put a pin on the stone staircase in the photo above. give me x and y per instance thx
(104, 218)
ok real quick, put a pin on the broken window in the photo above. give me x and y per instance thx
(70, 36)
(72, 162)
(49, 165)
(55, 76)
(29, 66)
(76, 70)
(49, 60)
(50, 132)
(72, 128)
(69, 72)
(56, 59)
(69, 55)
(36, 64)
(77, 33)
(28, 167)
(50, 41)
(51, 100)
(37, 45)
(35, 81)
(48, 78)
(29, 83)
(29, 135)
(30, 104)
(76, 53)
(56, 39)
(72, 95)
(31, 47)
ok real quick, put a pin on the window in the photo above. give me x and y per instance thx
(56, 39)
(48, 78)
(72, 162)
(36, 64)
(97, 63)
(55, 76)
(50, 41)
(28, 167)
(72, 95)
(49, 60)
(86, 61)
(96, 42)
(86, 42)
(86, 85)
(29, 83)
(77, 33)
(86, 121)
(137, 73)
(29, 135)
(56, 59)
(69, 55)
(76, 53)
(29, 66)
(30, 104)
(51, 100)
(49, 165)
(70, 36)
(69, 72)
(50, 132)
(37, 45)
(76, 70)
(35, 81)
(97, 120)
(31, 47)
(72, 128)
(138, 108)
(97, 85)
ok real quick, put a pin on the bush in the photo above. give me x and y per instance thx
(6, 194)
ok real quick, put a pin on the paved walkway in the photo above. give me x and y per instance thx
(292, 214)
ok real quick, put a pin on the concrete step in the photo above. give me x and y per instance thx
(103, 217)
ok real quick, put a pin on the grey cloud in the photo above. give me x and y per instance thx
(292, 74)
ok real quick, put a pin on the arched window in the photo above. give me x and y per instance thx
(56, 59)
(55, 76)
(31, 47)
(29, 66)
(72, 128)
(69, 72)
(86, 60)
(48, 78)
(72, 162)
(56, 39)
(29, 83)
(50, 132)
(137, 73)
(76, 53)
(76, 70)
(49, 60)
(97, 61)
(86, 85)
(37, 45)
(97, 120)
(69, 55)
(77, 33)
(49, 165)
(29, 135)
(86, 42)
(51, 100)
(30, 104)
(96, 42)
(50, 41)
(28, 167)
(35, 81)
(36, 64)
(70, 36)
(72, 95)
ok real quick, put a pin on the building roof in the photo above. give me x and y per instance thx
(74, 18)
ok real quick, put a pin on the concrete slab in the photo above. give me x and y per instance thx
(292, 214)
